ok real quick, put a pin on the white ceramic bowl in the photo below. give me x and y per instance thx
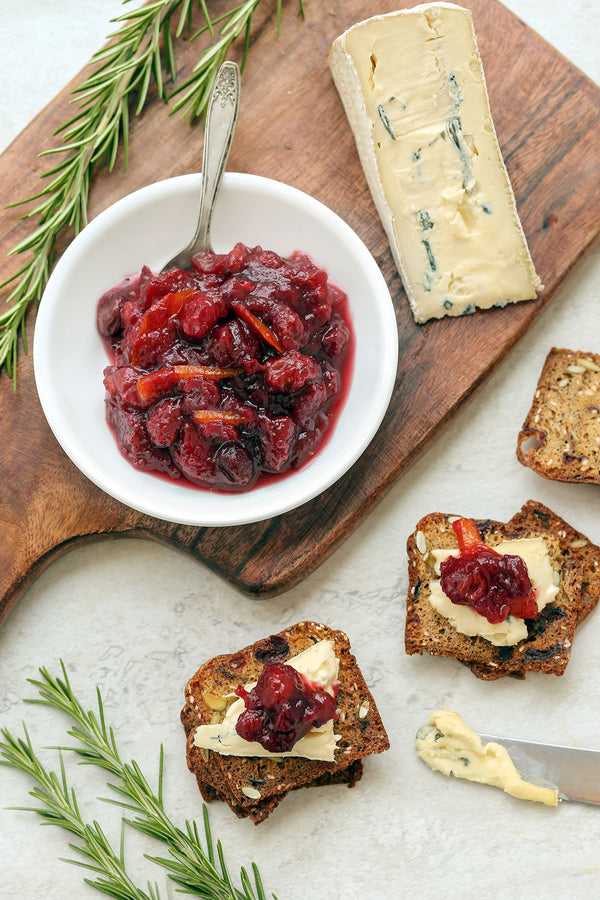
(148, 227)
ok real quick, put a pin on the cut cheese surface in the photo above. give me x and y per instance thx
(413, 88)
(447, 744)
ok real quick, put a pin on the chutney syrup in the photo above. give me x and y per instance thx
(228, 373)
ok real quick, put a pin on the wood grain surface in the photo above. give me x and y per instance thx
(292, 128)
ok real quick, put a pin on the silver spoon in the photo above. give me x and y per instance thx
(221, 118)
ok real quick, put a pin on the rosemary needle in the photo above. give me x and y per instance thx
(139, 53)
(59, 807)
(196, 867)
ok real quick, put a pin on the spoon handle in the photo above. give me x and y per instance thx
(221, 118)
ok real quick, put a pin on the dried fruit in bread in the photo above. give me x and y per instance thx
(549, 636)
(253, 786)
(560, 438)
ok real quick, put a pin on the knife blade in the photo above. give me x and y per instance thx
(575, 771)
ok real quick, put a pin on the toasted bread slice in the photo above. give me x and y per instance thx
(560, 438)
(253, 786)
(263, 808)
(549, 635)
(578, 552)
(577, 549)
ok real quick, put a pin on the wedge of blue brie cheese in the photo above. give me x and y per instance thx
(413, 88)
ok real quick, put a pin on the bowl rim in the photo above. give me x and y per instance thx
(266, 501)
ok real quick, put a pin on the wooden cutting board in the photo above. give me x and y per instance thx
(292, 128)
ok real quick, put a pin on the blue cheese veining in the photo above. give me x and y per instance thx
(447, 744)
(413, 88)
(320, 666)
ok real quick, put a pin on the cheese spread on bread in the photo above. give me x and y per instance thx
(320, 666)
(413, 88)
(534, 553)
(447, 744)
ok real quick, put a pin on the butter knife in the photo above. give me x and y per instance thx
(573, 770)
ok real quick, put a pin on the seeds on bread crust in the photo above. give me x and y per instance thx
(560, 438)
(549, 636)
(236, 780)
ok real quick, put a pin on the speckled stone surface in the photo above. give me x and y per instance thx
(138, 619)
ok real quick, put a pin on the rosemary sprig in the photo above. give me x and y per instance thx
(59, 807)
(195, 91)
(141, 52)
(90, 137)
(195, 868)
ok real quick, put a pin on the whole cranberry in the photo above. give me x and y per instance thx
(291, 371)
(282, 707)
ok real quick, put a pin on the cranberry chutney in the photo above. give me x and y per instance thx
(228, 373)
(495, 585)
(282, 707)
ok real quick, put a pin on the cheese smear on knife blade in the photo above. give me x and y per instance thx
(413, 88)
(447, 744)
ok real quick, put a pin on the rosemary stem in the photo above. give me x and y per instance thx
(192, 865)
(141, 49)
(59, 807)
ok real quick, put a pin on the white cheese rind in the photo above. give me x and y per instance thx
(447, 744)
(413, 88)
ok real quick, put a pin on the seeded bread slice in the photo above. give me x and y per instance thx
(263, 808)
(253, 786)
(578, 553)
(577, 549)
(550, 634)
(560, 438)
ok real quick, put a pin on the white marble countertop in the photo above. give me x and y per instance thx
(138, 619)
